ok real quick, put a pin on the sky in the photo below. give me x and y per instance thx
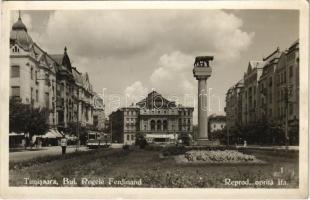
(128, 53)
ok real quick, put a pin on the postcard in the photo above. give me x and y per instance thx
(153, 100)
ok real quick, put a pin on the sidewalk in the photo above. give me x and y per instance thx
(41, 152)
(296, 148)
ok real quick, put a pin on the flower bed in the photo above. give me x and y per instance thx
(226, 156)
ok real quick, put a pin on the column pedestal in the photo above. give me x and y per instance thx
(207, 142)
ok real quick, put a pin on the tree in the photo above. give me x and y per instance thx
(19, 115)
(263, 133)
(38, 122)
(26, 119)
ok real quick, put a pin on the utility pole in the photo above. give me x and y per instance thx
(287, 91)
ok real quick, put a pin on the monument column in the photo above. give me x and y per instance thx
(202, 109)
(202, 71)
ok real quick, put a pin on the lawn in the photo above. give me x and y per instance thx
(153, 171)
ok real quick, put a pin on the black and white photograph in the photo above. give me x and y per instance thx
(156, 98)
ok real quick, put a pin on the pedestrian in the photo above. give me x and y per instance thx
(63, 143)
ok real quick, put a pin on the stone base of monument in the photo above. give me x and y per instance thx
(207, 142)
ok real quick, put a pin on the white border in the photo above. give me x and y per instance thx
(140, 193)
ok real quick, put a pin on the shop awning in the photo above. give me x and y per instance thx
(16, 134)
(56, 133)
(49, 134)
(71, 137)
(171, 136)
(52, 133)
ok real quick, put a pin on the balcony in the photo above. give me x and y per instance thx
(159, 112)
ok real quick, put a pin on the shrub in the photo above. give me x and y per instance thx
(126, 147)
(153, 148)
(227, 156)
(174, 150)
(141, 141)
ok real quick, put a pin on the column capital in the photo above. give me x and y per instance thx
(202, 72)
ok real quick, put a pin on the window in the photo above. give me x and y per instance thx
(47, 99)
(152, 125)
(291, 72)
(270, 81)
(15, 71)
(95, 121)
(270, 98)
(36, 76)
(31, 73)
(158, 125)
(37, 95)
(47, 81)
(128, 138)
(16, 91)
(132, 137)
(284, 77)
(165, 125)
(15, 49)
(31, 94)
(291, 109)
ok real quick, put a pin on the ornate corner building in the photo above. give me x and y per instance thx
(156, 118)
(49, 81)
(268, 92)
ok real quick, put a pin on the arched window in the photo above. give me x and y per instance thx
(158, 125)
(165, 124)
(152, 125)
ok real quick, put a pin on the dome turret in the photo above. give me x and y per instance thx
(19, 25)
(20, 35)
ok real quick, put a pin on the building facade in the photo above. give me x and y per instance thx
(98, 113)
(267, 88)
(234, 108)
(287, 91)
(250, 92)
(32, 72)
(270, 93)
(156, 118)
(48, 81)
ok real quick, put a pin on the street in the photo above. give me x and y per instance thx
(47, 151)
(44, 151)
